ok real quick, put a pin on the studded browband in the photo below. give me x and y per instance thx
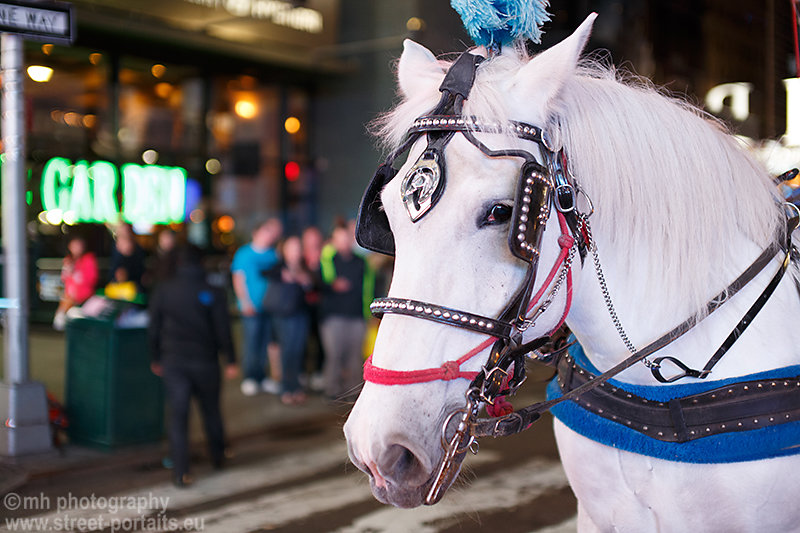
(522, 130)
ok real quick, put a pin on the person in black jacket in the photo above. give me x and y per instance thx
(189, 330)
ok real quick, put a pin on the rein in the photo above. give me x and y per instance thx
(523, 418)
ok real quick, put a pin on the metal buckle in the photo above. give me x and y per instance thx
(487, 381)
(572, 198)
(581, 192)
(793, 207)
(683, 371)
(513, 389)
(531, 321)
(514, 415)
(548, 144)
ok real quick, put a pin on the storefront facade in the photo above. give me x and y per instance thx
(190, 114)
(177, 112)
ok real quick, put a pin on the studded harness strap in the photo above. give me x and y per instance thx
(741, 406)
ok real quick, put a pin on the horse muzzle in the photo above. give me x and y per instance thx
(404, 472)
(398, 476)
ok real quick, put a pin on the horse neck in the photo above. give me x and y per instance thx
(648, 309)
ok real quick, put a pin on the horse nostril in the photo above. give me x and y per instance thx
(399, 465)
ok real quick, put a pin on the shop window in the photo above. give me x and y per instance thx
(160, 111)
(67, 103)
(244, 144)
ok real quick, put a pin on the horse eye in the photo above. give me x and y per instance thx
(497, 214)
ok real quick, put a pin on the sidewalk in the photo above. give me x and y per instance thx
(245, 418)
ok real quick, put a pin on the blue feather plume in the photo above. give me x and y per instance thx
(500, 22)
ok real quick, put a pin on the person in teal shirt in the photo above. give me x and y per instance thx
(250, 285)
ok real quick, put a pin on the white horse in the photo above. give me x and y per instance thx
(680, 211)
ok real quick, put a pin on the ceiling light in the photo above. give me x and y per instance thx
(40, 73)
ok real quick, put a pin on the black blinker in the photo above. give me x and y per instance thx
(372, 226)
(531, 210)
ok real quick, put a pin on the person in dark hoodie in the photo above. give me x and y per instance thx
(189, 330)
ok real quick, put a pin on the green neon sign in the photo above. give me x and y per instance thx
(87, 192)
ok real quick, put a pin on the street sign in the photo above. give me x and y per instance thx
(23, 403)
(42, 21)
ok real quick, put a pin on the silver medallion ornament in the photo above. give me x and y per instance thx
(421, 187)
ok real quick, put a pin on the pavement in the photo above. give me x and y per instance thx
(245, 418)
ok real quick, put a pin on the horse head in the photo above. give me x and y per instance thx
(454, 253)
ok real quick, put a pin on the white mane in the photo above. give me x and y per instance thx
(662, 174)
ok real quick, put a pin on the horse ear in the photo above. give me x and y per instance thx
(418, 69)
(545, 75)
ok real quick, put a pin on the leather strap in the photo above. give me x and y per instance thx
(461, 75)
(522, 130)
(441, 314)
(741, 406)
(741, 281)
(731, 338)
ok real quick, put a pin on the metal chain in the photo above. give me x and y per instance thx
(561, 277)
(607, 296)
(551, 294)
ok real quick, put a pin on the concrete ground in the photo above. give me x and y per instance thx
(243, 416)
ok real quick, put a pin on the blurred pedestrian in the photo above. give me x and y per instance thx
(189, 330)
(313, 242)
(250, 263)
(127, 258)
(80, 276)
(347, 292)
(164, 260)
(286, 301)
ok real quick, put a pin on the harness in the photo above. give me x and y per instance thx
(541, 186)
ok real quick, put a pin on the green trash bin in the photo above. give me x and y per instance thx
(112, 398)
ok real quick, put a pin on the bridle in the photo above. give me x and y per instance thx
(541, 188)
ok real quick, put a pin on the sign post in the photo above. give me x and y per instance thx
(24, 421)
